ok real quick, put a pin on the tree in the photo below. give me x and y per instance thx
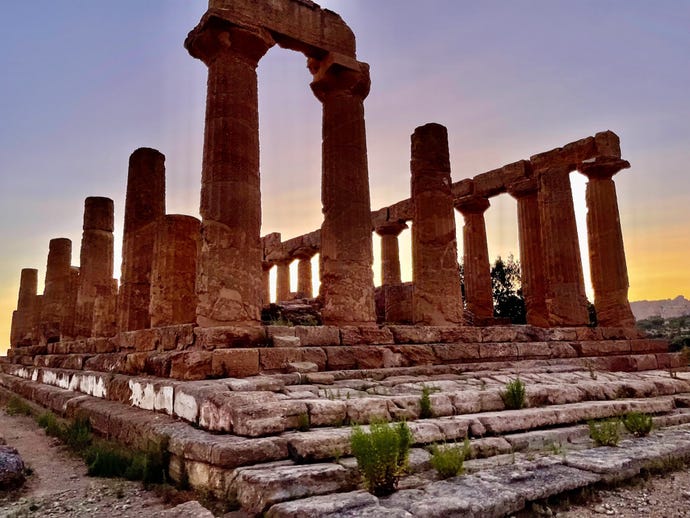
(506, 287)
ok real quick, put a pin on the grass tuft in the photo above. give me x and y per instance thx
(381, 455)
(638, 424)
(605, 432)
(514, 395)
(17, 406)
(448, 460)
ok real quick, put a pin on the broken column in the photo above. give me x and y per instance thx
(229, 265)
(347, 281)
(23, 318)
(531, 261)
(96, 261)
(477, 268)
(144, 206)
(565, 297)
(283, 281)
(606, 253)
(437, 298)
(173, 297)
(56, 291)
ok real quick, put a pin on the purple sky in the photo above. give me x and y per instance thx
(85, 83)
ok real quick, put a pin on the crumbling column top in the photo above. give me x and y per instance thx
(602, 166)
(391, 228)
(472, 204)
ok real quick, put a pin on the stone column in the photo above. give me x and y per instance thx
(390, 252)
(95, 262)
(173, 297)
(68, 330)
(23, 319)
(605, 238)
(304, 284)
(531, 261)
(347, 279)
(283, 281)
(105, 310)
(229, 266)
(56, 291)
(437, 298)
(565, 288)
(266, 283)
(144, 206)
(478, 292)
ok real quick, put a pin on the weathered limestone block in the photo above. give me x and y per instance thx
(235, 363)
(192, 365)
(173, 271)
(229, 271)
(144, 206)
(318, 335)
(56, 292)
(105, 310)
(347, 279)
(356, 335)
(229, 336)
(436, 275)
(95, 262)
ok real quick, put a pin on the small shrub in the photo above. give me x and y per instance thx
(605, 432)
(638, 424)
(448, 460)
(17, 406)
(303, 422)
(514, 394)
(77, 435)
(49, 422)
(425, 408)
(107, 460)
(381, 455)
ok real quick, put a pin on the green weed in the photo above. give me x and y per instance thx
(637, 423)
(605, 432)
(448, 460)
(514, 395)
(17, 406)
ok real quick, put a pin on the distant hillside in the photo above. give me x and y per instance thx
(667, 308)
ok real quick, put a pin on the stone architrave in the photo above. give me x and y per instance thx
(605, 238)
(565, 297)
(531, 256)
(56, 291)
(341, 84)
(229, 286)
(23, 319)
(283, 281)
(144, 206)
(390, 251)
(96, 261)
(477, 273)
(173, 297)
(437, 298)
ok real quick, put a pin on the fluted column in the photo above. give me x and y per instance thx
(606, 252)
(566, 301)
(23, 319)
(144, 206)
(347, 280)
(437, 299)
(229, 266)
(304, 279)
(56, 292)
(478, 292)
(283, 281)
(175, 250)
(531, 260)
(95, 260)
(266, 283)
(390, 251)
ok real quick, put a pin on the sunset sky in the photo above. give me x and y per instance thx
(84, 83)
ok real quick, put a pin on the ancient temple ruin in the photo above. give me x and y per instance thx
(191, 292)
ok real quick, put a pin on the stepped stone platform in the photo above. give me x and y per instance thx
(278, 442)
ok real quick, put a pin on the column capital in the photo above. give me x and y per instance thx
(391, 228)
(214, 37)
(305, 252)
(602, 167)
(472, 204)
(339, 74)
(521, 188)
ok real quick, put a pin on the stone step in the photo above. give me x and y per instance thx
(271, 405)
(504, 489)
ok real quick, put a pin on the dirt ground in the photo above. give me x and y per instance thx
(59, 486)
